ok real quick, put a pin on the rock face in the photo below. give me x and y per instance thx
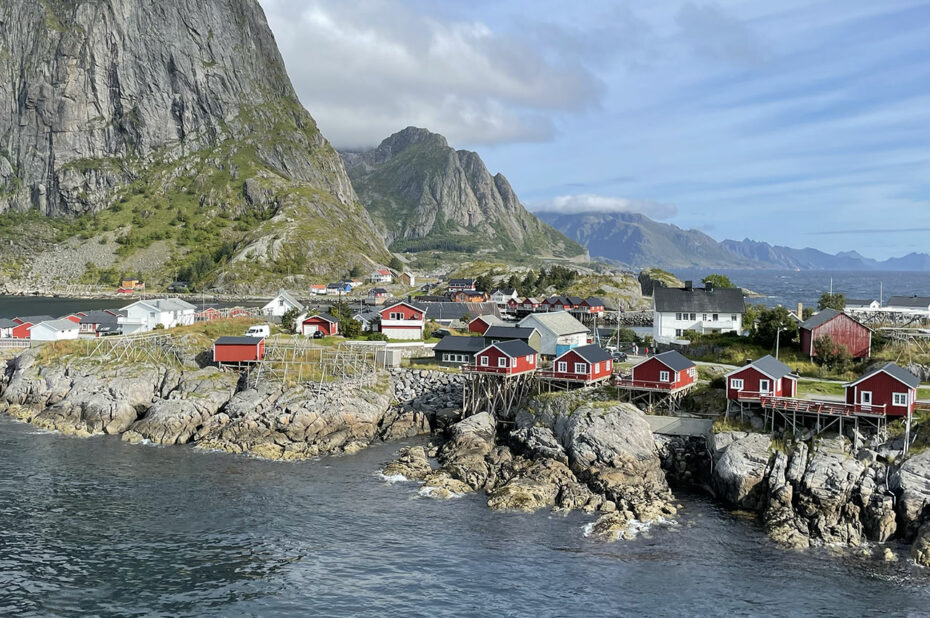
(912, 482)
(172, 104)
(740, 461)
(425, 195)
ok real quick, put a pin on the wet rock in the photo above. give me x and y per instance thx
(912, 484)
(463, 456)
(740, 461)
(920, 550)
(538, 442)
(441, 485)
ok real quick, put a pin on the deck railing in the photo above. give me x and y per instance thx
(489, 369)
(645, 384)
(819, 407)
(565, 375)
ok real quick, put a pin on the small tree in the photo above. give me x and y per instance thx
(831, 301)
(288, 319)
(396, 264)
(770, 321)
(356, 271)
(484, 283)
(718, 281)
(350, 328)
(830, 354)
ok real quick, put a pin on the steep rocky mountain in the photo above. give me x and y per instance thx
(168, 133)
(425, 195)
(638, 241)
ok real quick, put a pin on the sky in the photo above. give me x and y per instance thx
(799, 123)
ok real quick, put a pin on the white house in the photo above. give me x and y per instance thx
(144, 315)
(6, 327)
(382, 275)
(54, 330)
(502, 295)
(559, 331)
(281, 304)
(701, 310)
(368, 318)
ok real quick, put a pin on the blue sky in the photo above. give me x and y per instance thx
(797, 123)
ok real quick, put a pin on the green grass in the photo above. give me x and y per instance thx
(723, 424)
(820, 388)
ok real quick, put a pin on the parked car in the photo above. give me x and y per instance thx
(618, 356)
(261, 331)
(318, 334)
(439, 333)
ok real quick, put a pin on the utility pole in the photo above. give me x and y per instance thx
(778, 340)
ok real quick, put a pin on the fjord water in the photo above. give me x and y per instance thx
(99, 527)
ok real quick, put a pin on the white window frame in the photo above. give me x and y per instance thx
(581, 368)
(531, 359)
(597, 367)
(899, 399)
(665, 376)
(736, 384)
(768, 385)
(484, 361)
(513, 362)
(562, 366)
(502, 362)
(863, 395)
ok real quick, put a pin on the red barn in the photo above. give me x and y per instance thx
(765, 377)
(322, 323)
(668, 370)
(238, 350)
(842, 329)
(887, 389)
(505, 357)
(481, 323)
(588, 363)
(21, 331)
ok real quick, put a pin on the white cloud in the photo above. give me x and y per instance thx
(590, 202)
(369, 68)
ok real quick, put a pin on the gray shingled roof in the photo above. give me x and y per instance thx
(771, 367)
(819, 318)
(896, 371)
(592, 353)
(7, 323)
(453, 343)
(910, 302)
(237, 341)
(456, 311)
(509, 332)
(35, 319)
(514, 348)
(699, 300)
(61, 324)
(559, 322)
(674, 360)
(324, 316)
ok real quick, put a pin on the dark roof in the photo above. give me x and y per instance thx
(7, 323)
(461, 282)
(595, 301)
(453, 343)
(509, 332)
(771, 367)
(505, 291)
(819, 318)
(377, 291)
(322, 316)
(899, 373)
(35, 319)
(575, 300)
(858, 302)
(456, 311)
(514, 348)
(592, 353)
(699, 300)
(98, 317)
(914, 302)
(237, 341)
(674, 360)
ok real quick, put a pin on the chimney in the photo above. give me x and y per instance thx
(708, 287)
(689, 286)
(748, 361)
(800, 311)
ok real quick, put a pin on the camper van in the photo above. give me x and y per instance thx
(259, 330)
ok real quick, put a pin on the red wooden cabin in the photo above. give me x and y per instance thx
(506, 358)
(842, 329)
(323, 323)
(481, 323)
(512, 305)
(209, 314)
(588, 363)
(238, 350)
(887, 389)
(766, 377)
(593, 304)
(666, 371)
(21, 331)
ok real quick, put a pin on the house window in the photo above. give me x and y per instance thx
(733, 318)
(764, 386)
(484, 361)
(581, 368)
(678, 332)
(899, 399)
(513, 362)
(445, 357)
(704, 317)
(562, 367)
(716, 317)
(597, 367)
(677, 316)
(693, 316)
(865, 398)
(531, 359)
(663, 376)
(736, 384)
(502, 362)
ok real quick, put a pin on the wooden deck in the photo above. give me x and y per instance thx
(813, 406)
(649, 386)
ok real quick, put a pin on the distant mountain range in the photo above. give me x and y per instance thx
(638, 241)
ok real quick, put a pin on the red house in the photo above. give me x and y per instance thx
(403, 320)
(322, 323)
(887, 389)
(592, 305)
(21, 331)
(589, 363)
(666, 371)
(209, 314)
(530, 304)
(481, 323)
(766, 377)
(512, 305)
(238, 350)
(124, 291)
(842, 329)
(505, 357)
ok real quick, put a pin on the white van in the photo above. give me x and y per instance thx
(259, 330)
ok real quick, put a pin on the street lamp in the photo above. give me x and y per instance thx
(778, 340)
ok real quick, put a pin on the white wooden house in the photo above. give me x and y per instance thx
(702, 310)
(54, 330)
(281, 304)
(144, 315)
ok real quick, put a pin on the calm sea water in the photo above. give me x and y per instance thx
(12, 306)
(99, 527)
(788, 288)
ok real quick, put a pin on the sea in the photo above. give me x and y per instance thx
(99, 527)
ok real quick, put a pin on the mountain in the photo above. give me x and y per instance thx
(425, 195)
(168, 135)
(638, 241)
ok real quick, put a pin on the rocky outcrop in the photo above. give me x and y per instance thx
(433, 395)
(912, 484)
(418, 188)
(740, 461)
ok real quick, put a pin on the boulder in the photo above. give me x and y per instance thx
(740, 461)
(920, 550)
(410, 463)
(544, 484)
(463, 456)
(912, 484)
